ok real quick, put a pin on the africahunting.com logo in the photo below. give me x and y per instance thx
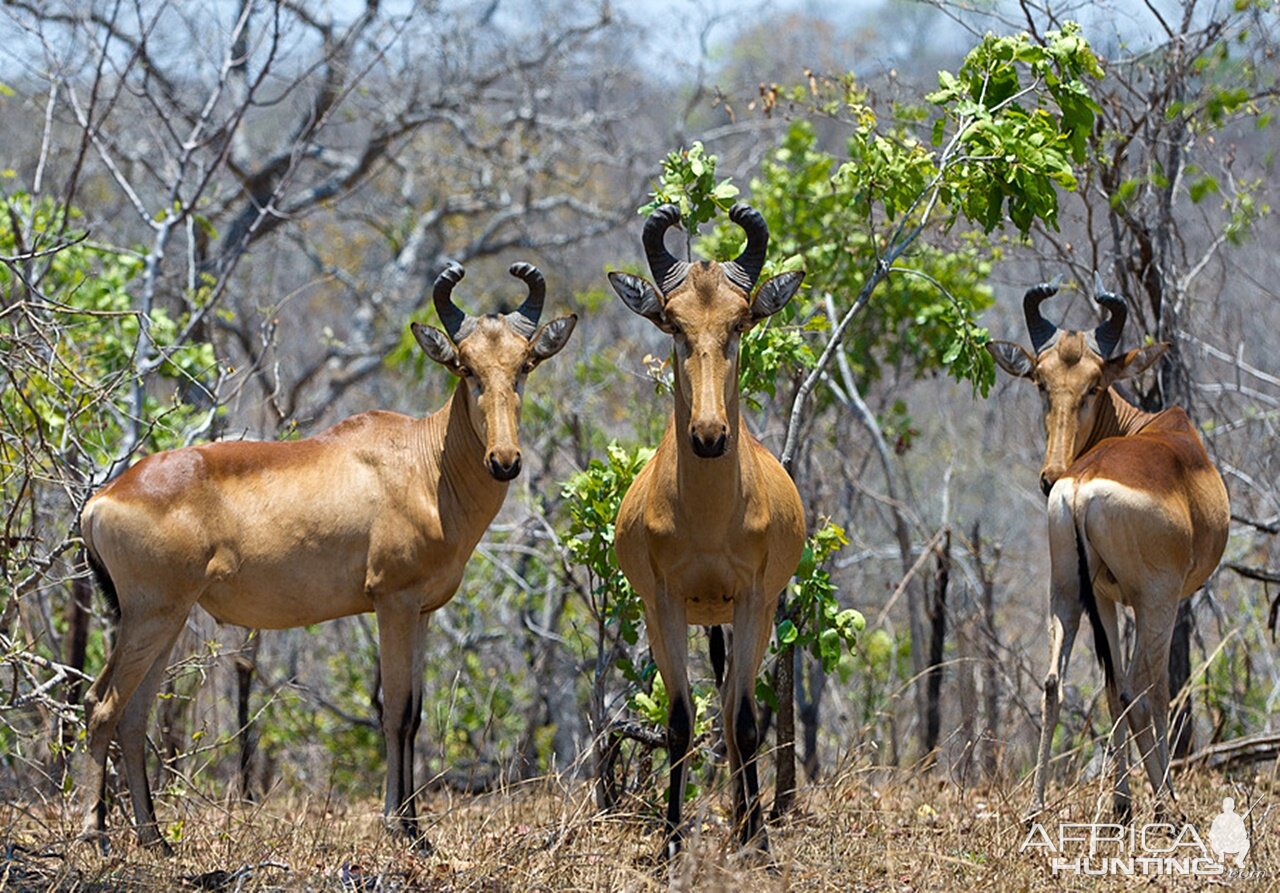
(1099, 849)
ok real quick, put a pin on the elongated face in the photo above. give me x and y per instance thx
(493, 359)
(1073, 379)
(706, 315)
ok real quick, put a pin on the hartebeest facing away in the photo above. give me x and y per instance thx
(712, 528)
(1138, 516)
(378, 513)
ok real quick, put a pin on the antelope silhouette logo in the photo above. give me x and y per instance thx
(1228, 835)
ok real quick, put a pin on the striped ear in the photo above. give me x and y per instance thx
(551, 338)
(640, 297)
(775, 294)
(1012, 358)
(1134, 362)
(436, 344)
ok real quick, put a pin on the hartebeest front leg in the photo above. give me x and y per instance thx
(1064, 621)
(669, 640)
(752, 627)
(402, 631)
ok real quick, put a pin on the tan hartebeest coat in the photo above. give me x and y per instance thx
(1138, 516)
(712, 528)
(379, 513)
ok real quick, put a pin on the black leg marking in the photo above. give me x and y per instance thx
(679, 733)
(747, 735)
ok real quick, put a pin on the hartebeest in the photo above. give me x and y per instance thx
(378, 513)
(1138, 516)
(712, 528)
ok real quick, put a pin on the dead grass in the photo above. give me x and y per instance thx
(865, 830)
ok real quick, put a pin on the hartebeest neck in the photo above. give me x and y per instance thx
(450, 443)
(718, 481)
(1116, 417)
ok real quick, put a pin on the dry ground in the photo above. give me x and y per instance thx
(865, 830)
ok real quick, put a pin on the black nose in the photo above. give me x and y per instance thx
(1045, 484)
(708, 449)
(502, 471)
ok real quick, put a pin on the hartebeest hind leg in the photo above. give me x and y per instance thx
(1118, 739)
(141, 643)
(402, 629)
(1065, 611)
(132, 735)
(1147, 689)
(669, 640)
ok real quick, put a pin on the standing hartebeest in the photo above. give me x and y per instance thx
(378, 513)
(712, 528)
(1138, 515)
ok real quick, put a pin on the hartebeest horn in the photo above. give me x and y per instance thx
(667, 271)
(1108, 334)
(525, 318)
(451, 317)
(745, 270)
(1040, 330)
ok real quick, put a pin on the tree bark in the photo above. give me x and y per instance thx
(937, 643)
(785, 688)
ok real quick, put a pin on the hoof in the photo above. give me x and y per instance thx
(95, 840)
(1034, 815)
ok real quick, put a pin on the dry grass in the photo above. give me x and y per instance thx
(866, 830)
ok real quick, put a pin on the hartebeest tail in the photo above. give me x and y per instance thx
(712, 527)
(1137, 516)
(379, 513)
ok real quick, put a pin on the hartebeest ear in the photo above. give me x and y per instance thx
(1012, 358)
(775, 293)
(550, 339)
(640, 297)
(1133, 362)
(436, 344)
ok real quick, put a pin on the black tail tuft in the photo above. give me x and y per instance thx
(104, 582)
(1100, 642)
(716, 635)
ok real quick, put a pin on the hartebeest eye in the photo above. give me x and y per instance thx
(1093, 391)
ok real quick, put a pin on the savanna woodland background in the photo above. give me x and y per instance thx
(218, 219)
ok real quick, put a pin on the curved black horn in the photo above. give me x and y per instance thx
(745, 270)
(450, 316)
(1038, 327)
(667, 271)
(527, 314)
(1108, 334)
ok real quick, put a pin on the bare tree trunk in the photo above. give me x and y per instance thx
(990, 678)
(76, 641)
(246, 662)
(785, 687)
(967, 686)
(937, 642)
(813, 682)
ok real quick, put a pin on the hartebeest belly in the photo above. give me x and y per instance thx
(379, 513)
